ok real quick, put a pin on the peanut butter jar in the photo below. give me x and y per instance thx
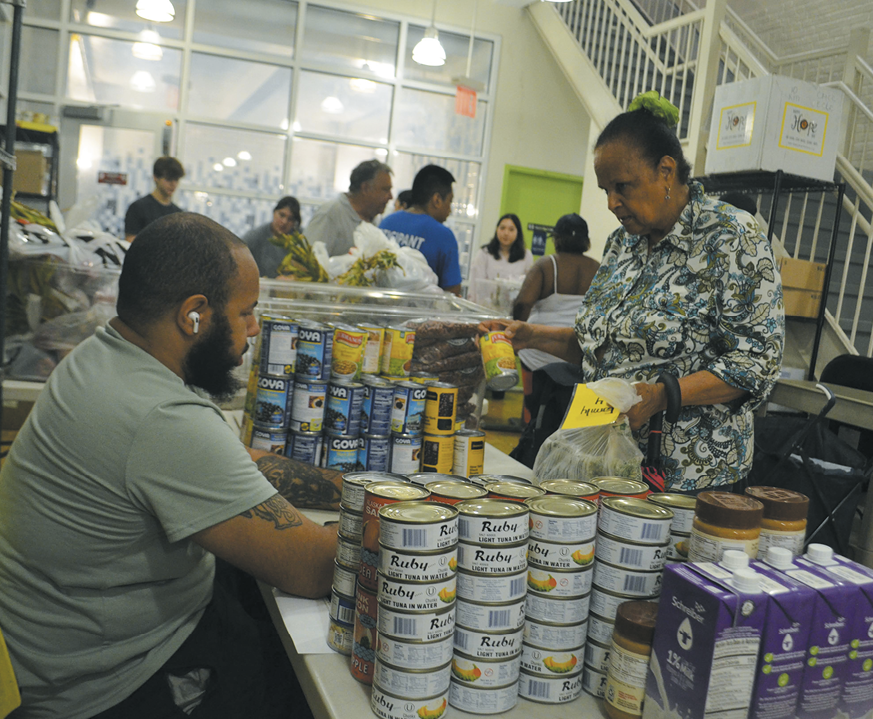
(724, 521)
(629, 659)
(784, 522)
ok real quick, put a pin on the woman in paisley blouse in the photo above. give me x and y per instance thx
(687, 285)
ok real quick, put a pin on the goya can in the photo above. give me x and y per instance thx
(340, 637)
(634, 520)
(682, 506)
(634, 583)
(273, 402)
(437, 452)
(440, 408)
(413, 566)
(490, 644)
(514, 491)
(551, 689)
(451, 492)
(407, 415)
(558, 637)
(374, 453)
(550, 555)
(549, 662)
(278, 343)
(561, 519)
(343, 413)
(355, 485)
(416, 596)
(376, 496)
(620, 487)
(408, 682)
(305, 447)
(270, 440)
(469, 456)
(405, 453)
(389, 706)
(470, 698)
(414, 655)
(308, 405)
(314, 350)
(486, 673)
(418, 526)
(397, 351)
(372, 362)
(341, 453)
(631, 555)
(571, 488)
(492, 521)
(559, 583)
(418, 626)
(556, 610)
(494, 617)
(377, 406)
(499, 358)
(347, 353)
(490, 559)
(364, 640)
(491, 588)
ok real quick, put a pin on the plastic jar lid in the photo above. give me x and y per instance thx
(781, 504)
(636, 621)
(733, 511)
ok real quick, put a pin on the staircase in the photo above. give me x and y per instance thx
(611, 50)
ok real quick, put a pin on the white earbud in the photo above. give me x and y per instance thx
(195, 318)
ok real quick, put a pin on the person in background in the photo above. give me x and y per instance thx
(126, 483)
(334, 222)
(268, 255)
(421, 226)
(403, 201)
(687, 285)
(552, 291)
(167, 172)
(504, 256)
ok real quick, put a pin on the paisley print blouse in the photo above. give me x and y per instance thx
(708, 297)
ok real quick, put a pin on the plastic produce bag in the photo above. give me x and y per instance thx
(588, 452)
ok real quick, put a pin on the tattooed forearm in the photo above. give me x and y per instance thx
(277, 511)
(303, 485)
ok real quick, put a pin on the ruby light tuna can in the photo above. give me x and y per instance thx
(494, 617)
(355, 484)
(488, 645)
(550, 690)
(594, 682)
(600, 629)
(406, 682)
(556, 610)
(492, 521)
(550, 555)
(278, 346)
(388, 706)
(597, 655)
(414, 655)
(469, 698)
(468, 458)
(273, 402)
(620, 487)
(407, 415)
(558, 637)
(270, 440)
(405, 453)
(489, 588)
(513, 491)
(412, 566)
(436, 453)
(343, 413)
(416, 596)
(548, 662)
(490, 559)
(419, 526)
(314, 351)
(364, 641)
(631, 555)
(634, 520)
(486, 673)
(377, 405)
(560, 583)
(562, 520)
(308, 405)
(637, 584)
(571, 488)
(374, 453)
(440, 409)
(418, 626)
(305, 447)
(452, 491)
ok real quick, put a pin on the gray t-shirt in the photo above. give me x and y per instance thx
(268, 255)
(118, 464)
(334, 224)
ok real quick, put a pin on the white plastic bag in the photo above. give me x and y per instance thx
(588, 452)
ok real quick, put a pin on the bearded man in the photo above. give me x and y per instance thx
(124, 485)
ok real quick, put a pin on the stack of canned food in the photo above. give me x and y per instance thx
(561, 558)
(492, 573)
(682, 506)
(633, 537)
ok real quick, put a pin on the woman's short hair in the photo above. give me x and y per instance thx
(651, 135)
(571, 234)
(516, 249)
(292, 204)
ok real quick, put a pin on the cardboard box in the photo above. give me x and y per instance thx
(31, 172)
(802, 274)
(801, 303)
(775, 123)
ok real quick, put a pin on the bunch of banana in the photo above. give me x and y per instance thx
(24, 214)
(362, 272)
(300, 262)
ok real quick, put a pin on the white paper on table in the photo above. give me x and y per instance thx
(307, 622)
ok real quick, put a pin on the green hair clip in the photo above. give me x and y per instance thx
(661, 107)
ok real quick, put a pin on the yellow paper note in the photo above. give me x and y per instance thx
(588, 409)
(9, 697)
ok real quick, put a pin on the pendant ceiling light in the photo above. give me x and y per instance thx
(429, 51)
(156, 10)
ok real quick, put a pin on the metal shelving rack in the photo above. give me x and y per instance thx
(779, 182)
(7, 160)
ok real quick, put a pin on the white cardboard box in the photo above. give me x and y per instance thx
(775, 123)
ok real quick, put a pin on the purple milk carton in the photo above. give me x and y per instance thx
(828, 649)
(857, 697)
(706, 643)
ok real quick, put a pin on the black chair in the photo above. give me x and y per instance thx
(856, 372)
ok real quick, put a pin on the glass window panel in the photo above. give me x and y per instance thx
(250, 91)
(321, 170)
(350, 40)
(350, 108)
(466, 174)
(238, 214)
(48, 9)
(233, 159)
(428, 120)
(263, 26)
(464, 233)
(121, 15)
(106, 72)
(39, 60)
(456, 47)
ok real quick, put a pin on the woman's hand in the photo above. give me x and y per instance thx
(519, 333)
(654, 400)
